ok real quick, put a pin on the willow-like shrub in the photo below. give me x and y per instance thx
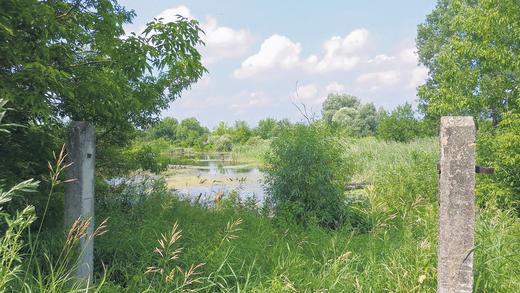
(305, 176)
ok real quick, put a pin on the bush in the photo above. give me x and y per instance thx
(499, 148)
(305, 175)
(400, 125)
(221, 143)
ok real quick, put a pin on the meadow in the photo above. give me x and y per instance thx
(66, 61)
(166, 244)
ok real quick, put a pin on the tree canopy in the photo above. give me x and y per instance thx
(347, 113)
(72, 60)
(471, 49)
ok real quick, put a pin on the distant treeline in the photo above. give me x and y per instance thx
(344, 114)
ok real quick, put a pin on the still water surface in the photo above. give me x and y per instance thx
(203, 176)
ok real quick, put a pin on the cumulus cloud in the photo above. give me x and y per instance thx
(275, 52)
(280, 52)
(399, 70)
(221, 42)
(339, 52)
(409, 56)
(170, 14)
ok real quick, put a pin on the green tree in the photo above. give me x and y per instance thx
(334, 102)
(345, 117)
(191, 134)
(471, 50)
(361, 121)
(400, 125)
(166, 129)
(71, 60)
(368, 120)
(348, 115)
(266, 128)
(221, 129)
(241, 132)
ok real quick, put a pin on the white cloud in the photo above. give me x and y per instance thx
(221, 42)
(275, 52)
(417, 77)
(401, 70)
(338, 52)
(279, 52)
(381, 58)
(409, 56)
(376, 80)
(309, 94)
(170, 14)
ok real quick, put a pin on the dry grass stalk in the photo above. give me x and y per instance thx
(218, 197)
(58, 167)
(231, 229)
(79, 229)
(169, 253)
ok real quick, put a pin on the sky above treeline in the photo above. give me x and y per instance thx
(265, 56)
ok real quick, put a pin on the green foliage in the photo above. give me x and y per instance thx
(344, 117)
(508, 155)
(254, 151)
(221, 129)
(367, 120)
(222, 143)
(499, 148)
(166, 128)
(401, 125)
(244, 250)
(11, 240)
(348, 115)
(305, 175)
(241, 132)
(471, 50)
(472, 53)
(266, 128)
(334, 102)
(191, 134)
(71, 60)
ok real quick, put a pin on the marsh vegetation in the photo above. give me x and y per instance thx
(245, 208)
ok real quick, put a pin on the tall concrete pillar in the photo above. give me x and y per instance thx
(457, 205)
(79, 194)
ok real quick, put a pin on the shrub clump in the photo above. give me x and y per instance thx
(305, 176)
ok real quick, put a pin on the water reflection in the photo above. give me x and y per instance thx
(202, 176)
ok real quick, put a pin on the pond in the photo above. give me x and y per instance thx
(205, 176)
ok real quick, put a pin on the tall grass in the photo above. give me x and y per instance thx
(397, 254)
(372, 156)
(252, 152)
(25, 264)
(159, 243)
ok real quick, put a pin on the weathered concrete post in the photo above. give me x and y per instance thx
(79, 194)
(457, 205)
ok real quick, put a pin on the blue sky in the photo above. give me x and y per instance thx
(263, 56)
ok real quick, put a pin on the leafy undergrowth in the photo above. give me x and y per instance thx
(163, 244)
